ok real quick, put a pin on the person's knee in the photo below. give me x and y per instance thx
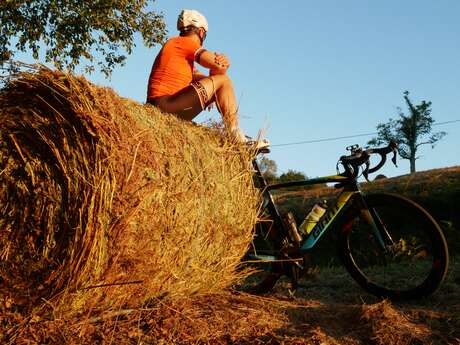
(220, 79)
(225, 81)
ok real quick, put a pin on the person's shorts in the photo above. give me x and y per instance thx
(182, 104)
(202, 93)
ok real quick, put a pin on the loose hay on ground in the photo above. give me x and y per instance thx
(107, 202)
(391, 326)
(213, 319)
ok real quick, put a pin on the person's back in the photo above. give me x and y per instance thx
(173, 67)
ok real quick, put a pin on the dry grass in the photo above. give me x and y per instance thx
(107, 203)
(391, 326)
(420, 182)
(211, 319)
(332, 310)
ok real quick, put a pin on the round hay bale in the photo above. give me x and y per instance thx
(107, 202)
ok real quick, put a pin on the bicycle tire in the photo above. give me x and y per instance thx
(415, 264)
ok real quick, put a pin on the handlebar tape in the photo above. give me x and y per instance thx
(354, 161)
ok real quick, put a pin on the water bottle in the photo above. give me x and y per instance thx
(292, 227)
(312, 218)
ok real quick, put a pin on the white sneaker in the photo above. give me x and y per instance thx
(238, 135)
(257, 144)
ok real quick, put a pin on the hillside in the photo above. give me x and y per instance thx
(437, 190)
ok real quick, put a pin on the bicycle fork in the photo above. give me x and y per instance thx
(371, 217)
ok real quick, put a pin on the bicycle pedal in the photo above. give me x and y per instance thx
(297, 263)
(292, 292)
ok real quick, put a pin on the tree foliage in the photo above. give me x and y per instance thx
(410, 131)
(72, 30)
(269, 169)
(291, 175)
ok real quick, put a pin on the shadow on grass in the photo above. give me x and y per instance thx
(330, 308)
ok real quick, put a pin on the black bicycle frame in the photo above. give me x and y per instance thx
(348, 196)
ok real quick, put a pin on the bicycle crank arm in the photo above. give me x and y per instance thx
(254, 258)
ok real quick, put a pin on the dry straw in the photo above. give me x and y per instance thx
(105, 202)
(390, 325)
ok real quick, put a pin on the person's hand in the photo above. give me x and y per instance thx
(222, 60)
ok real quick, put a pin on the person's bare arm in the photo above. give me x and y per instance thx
(216, 63)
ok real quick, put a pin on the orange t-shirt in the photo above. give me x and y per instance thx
(173, 67)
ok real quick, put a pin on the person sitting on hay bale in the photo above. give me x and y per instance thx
(176, 86)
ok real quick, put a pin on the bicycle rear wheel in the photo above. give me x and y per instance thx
(260, 260)
(413, 260)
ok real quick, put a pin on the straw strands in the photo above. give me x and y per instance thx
(105, 202)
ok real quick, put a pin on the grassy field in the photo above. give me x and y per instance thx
(327, 308)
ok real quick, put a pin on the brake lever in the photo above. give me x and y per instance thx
(393, 159)
(394, 147)
(366, 171)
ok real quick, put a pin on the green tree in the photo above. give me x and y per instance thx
(73, 30)
(268, 168)
(291, 175)
(409, 131)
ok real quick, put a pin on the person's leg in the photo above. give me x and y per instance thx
(220, 88)
(189, 102)
(185, 104)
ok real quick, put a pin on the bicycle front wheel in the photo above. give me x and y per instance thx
(394, 248)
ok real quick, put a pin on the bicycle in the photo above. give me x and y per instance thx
(390, 245)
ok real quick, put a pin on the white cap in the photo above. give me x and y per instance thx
(191, 18)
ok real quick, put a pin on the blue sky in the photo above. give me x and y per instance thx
(307, 70)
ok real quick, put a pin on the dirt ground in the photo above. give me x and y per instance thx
(327, 308)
